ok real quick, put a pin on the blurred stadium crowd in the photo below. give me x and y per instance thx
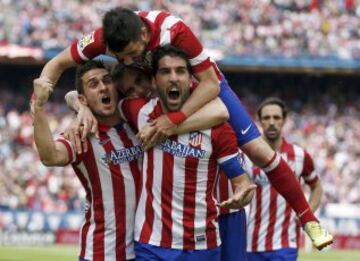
(327, 127)
(288, 28)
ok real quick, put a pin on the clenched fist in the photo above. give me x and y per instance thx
(42, 90)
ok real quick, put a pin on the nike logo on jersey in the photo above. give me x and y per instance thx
(243, 132)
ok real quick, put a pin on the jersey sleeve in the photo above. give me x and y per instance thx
(309, 174)
(88, 47)
(183, 38)
(227, 151)
(69, 148)
(130, 108)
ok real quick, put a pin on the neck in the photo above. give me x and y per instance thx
(110, 120)
(274, 144)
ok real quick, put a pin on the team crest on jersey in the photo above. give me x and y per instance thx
(195, 139)
(117, 157)
(86, 40)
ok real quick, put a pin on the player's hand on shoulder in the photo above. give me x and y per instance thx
(73, 134)
(156, 132)
(86, 123)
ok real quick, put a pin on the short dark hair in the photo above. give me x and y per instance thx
(168, 50)
(82, 69)
(120, 70)
(120, 27)
(273, 101)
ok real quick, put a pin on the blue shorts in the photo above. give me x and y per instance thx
(240, 120)
(147, 252)
(233, 236)
(284, 254)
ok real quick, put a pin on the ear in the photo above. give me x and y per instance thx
(145, 35)
(82, 99)
(153, 82)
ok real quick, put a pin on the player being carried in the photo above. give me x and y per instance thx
(128, 35)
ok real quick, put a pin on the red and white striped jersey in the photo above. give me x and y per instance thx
(177, 208)
(271, 222)
(109, 171)
(164, 28)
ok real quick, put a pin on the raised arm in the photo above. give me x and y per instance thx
(56, 66)
(316, 192)
(52, 153)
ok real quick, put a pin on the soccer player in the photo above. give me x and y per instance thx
(127, 35)
(108, 171)
(176, 215)
(273, 230)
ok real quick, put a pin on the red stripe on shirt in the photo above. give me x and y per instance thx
(166, 199)
(134, 167)
(272, 219)
(118, 187)
(85, 228)
(98, 239)
(257, 223)
(149, 211)
(211, 215)
(191, 165)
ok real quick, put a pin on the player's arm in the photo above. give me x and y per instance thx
(243, 188)
(316, 192)
(211, 114)
(230, 161)
(52, 153)
(54, 68)
(312, 180)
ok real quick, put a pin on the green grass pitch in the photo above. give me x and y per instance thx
(69, 253)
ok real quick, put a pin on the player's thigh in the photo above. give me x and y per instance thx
(284, 254)
(256, 256)
(233, 236)
(240, 119)
(212, 254)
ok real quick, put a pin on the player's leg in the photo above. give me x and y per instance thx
(147, 252)
(233, 236)
(256, 256)
(212, 254)
(276, 169)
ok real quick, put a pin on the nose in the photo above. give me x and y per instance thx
(173, 76)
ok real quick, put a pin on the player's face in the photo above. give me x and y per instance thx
(135, 84)
(272, 121)
(99, 92)
(172, 81)
(134, 51)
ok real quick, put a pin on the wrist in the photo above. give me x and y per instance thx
(176, 117)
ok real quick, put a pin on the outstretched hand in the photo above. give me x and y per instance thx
(241, 197)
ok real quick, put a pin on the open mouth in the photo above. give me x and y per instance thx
(106, 100)
(174, 93)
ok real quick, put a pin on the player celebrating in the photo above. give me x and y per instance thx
(176, 215)
(127, 36)
(108, 170)
(273, 231)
